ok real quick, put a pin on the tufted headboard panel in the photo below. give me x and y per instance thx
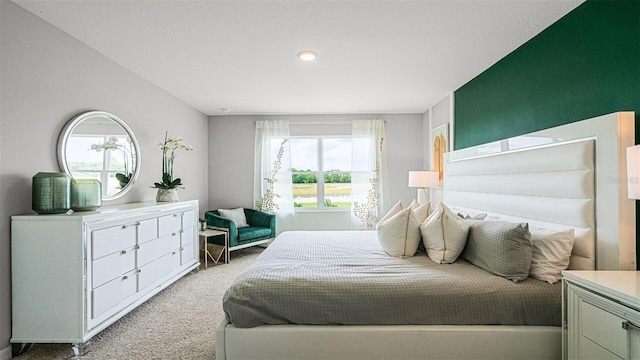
(572, 176)
(550, 186)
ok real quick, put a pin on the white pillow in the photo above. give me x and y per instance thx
(237, 215)
(399, 235)
(551, 253)
(394, 210)
(479, 216)
(422, 211)
(444, 235)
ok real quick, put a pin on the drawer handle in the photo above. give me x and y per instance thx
(137, 247)
(123, 252)
(181, 231)
(139, 271)
(137, 223)
(174, 234)
(125, 277)
(630, 326)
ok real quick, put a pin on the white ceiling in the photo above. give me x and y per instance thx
(373, 56)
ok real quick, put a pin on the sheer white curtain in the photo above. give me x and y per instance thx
(369, 185)
(272, 187)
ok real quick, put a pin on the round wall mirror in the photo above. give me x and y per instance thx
(98, 145)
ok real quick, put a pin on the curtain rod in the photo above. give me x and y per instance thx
(320, 122)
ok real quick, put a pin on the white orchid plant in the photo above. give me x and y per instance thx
(169, 147)
(113, 143)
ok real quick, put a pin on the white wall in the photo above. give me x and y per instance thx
(231, 151)
(442, 113)
(426, 143)
(438, 114)
(48, 77)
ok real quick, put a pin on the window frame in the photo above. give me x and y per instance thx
(320, 173)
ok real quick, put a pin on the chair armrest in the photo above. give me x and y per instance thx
(220, 222)
(262, 219)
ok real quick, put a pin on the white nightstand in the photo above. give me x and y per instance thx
(204, 246)
(601, 314)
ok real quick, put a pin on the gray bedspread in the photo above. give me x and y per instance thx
(344, 277)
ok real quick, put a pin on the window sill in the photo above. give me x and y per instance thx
(322, 210)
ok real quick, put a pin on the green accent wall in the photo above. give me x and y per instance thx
(585, 65)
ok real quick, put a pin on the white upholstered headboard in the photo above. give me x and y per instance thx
(570, 176)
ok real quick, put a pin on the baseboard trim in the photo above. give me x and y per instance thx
(5, 354)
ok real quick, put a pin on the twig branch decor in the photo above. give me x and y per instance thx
(267, 203)
(366, 212)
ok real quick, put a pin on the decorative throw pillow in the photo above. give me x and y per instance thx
(422, 210)
(444, 235)
(479, 216)
(399, 235)
(551, 253)
(394, 210)
(237, 215)
(500, 247)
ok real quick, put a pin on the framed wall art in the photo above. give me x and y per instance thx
(439, 145)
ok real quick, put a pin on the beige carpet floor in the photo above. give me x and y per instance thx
(177, 323)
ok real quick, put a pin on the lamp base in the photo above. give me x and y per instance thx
(423, 195)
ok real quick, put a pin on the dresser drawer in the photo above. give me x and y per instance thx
(169, 224)
(592, 351)
(150, 273)
(176, 258)
(147, 230)
(604, 329)
(152, 250)
(112, 266)
(112, 293)
(187, 253)
(187, 235)
(189, 219)
(113, 239)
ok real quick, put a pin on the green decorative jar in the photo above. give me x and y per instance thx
(86, 194)
(51, 193)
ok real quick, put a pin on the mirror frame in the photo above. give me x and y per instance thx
(77, 120)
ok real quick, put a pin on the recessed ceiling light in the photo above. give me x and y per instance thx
(307, 55)
(225, 110)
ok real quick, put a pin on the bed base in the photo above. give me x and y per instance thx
(388, 342)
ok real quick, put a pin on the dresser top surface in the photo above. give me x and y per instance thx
(624, 285)
(110, 209)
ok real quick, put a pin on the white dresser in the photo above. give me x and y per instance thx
(74, 275)
(601, 311)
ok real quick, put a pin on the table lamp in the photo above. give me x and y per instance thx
(423, 180)
(633, 172)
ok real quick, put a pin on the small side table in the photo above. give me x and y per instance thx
(204, 245)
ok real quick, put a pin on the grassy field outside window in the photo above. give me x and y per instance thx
(306, 195)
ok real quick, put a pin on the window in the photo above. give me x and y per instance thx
(321, 171)
(109, 157)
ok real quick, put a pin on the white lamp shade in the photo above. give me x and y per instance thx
(423, 179)
(633, 172)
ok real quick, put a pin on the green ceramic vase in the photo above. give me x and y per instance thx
(86, 194)
(51, 193)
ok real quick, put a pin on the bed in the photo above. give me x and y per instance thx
(570, 176)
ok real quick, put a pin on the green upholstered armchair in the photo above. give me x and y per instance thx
(261, 229)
